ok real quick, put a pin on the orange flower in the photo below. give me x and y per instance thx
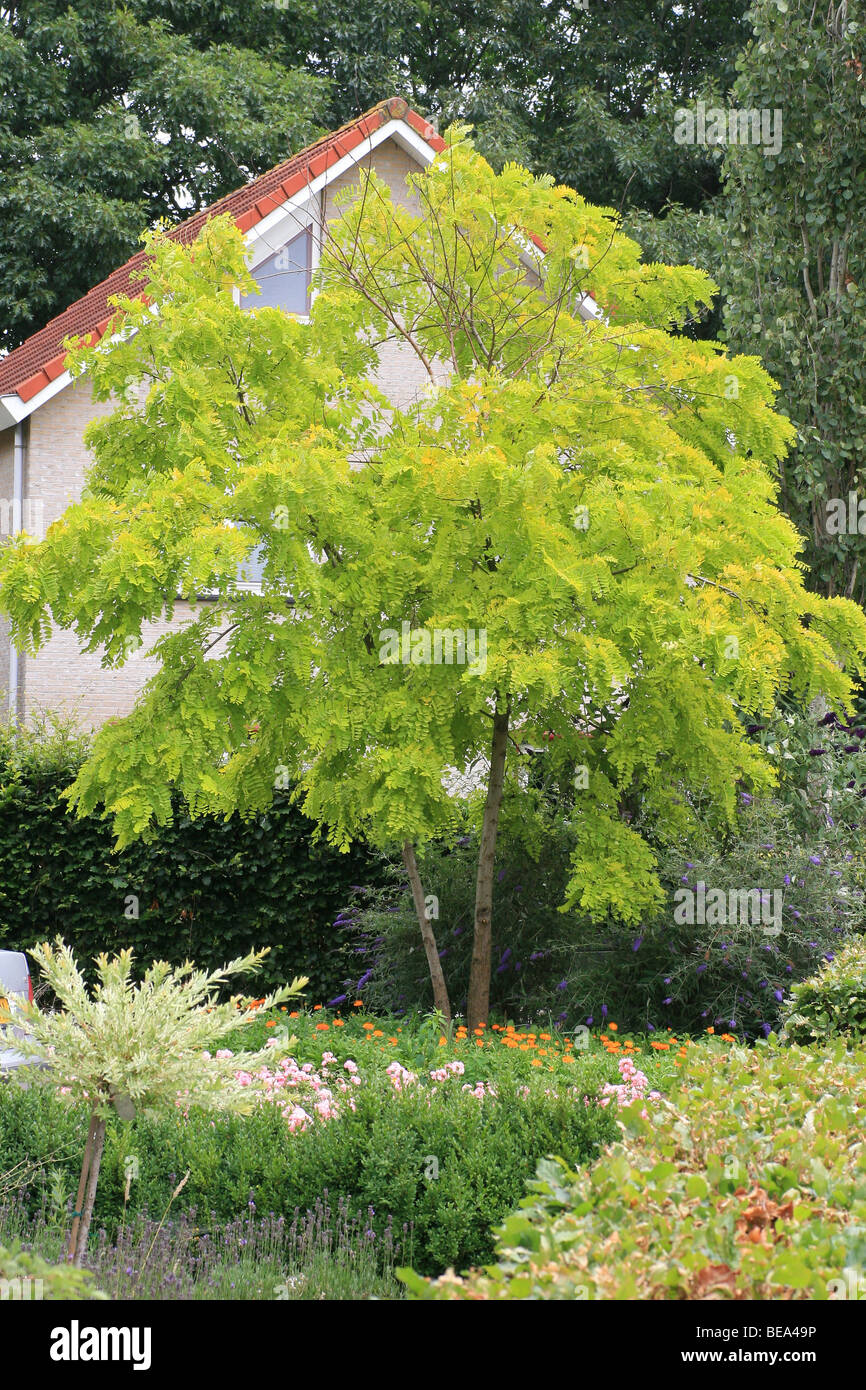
(321, 1027)
(612, 1027)
(377, 1033)
(282, 1008)
(316, 1008)
(366, 1025)
(711, 1030)
(358, 1004)
(338, 1023)
(271, 1023)
(393, 1042)
(535, 1063)
(545, 1037)
(443, 1042)
(295, 1015)
(569, 1057)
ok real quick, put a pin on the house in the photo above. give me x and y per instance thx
(43, 413)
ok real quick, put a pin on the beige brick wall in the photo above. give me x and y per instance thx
(65, 680)
(60, 677)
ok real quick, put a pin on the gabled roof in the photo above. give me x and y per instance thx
(40, 359)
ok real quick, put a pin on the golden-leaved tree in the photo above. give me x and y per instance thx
(579, 511)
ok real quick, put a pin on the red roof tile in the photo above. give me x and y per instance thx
(39, 359)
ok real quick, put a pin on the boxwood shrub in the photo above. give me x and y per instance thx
(447, 1167)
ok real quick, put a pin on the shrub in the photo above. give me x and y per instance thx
(25, 1275)
(442, 1169)
(747, 1186)
(664, 974)
(208, 889)
(528, 928)
(130, 1047)
(831, 1002)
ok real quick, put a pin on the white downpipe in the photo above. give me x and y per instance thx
(17, 511)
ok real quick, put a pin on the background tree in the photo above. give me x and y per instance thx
(114, 115)
(109, 121)
(585, 90)
(590, 497)
(790, 258)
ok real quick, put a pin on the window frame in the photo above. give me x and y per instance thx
(265, 241)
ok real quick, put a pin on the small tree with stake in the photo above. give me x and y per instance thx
(572, 531)
(136, 1046)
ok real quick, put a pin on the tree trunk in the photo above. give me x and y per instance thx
(440, 990)
(82, 1188)
(479, 975)
(90, 1195)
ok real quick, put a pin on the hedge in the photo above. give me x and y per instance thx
(377, 1158)
(206, 889)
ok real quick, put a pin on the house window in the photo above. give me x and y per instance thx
(251, 570)
(284, 278)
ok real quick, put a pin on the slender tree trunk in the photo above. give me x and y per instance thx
(82, 1188)
(479, 975)
(440, 990)
(90, 1194)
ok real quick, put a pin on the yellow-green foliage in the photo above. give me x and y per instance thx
(599, 498)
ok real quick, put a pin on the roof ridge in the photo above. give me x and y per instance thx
(41, 358)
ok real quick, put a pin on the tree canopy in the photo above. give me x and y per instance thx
(594, 500)
(792, 262)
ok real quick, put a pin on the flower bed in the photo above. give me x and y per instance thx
(747, 1183)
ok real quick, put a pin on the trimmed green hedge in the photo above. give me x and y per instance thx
(380, 1158)
(206, 889)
